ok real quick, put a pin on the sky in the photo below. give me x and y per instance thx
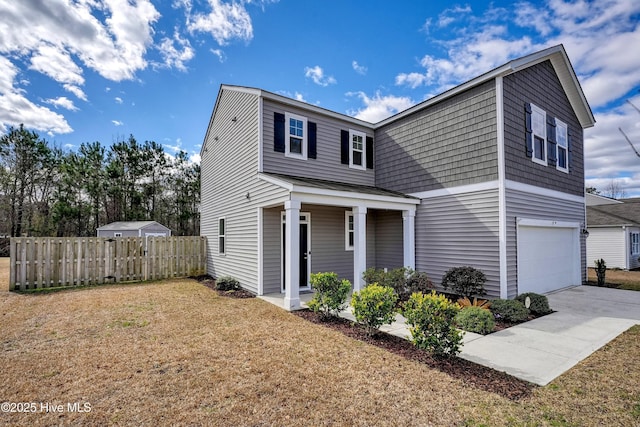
(100, 70)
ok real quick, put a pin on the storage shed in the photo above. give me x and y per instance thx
(133, 229)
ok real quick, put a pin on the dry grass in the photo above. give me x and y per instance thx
(176, 353)
(620, 279)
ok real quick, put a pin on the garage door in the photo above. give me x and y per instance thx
(548, 258)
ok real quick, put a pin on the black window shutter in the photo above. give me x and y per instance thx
(278, 132)
(528, 130)
(344, 147)
(312, 140)
(369, 149)
(551, 141)
(569, 144)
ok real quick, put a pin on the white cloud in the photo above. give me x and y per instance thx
(55, 62)
(298, 96)
(453, 14)
(118, 100)
(220, 54)
(79, 93)
(317, 75)
(195, 158)
(63, 102)
(225, 22)
(176, 57)
(360, 69)
(117, 122)
(379, 107)
(16, 109)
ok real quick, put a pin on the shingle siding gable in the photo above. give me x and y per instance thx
(540, 85)
(445, 145)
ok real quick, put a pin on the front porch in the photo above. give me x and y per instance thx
(327, 226)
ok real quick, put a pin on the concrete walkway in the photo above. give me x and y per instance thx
(539, 351)
(585, 319)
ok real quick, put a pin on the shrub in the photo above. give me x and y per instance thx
(539, 303)
(509, 310)
(601, 270)
(432, 323)
(403, 280)
(331, 294)
(464, 302)
(465, 281)
(227, 283)
(476, 319)
(374, 306)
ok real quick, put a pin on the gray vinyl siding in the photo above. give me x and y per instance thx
(229, 173)
(272, 249)
(608, 244)
(539, 85)
(533, 206)
(388, 244)
(459, 230)
(327, 165)
(444, 145)
(123, 233)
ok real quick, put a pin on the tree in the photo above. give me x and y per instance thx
(29, 165)
(614, 190)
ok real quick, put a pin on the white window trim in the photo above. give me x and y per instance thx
(353, 133)
(287, 136)
(562, 125)
(348, 214)
(543, 161)
(222, 236)
(635, 246)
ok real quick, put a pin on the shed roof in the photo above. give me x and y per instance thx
(130, 225)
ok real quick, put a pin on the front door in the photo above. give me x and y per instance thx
(305, 252)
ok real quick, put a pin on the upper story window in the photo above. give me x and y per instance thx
(539, 134)
(357, 149)
(562, 141)
(295, 136)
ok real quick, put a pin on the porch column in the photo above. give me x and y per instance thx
(359, 246)
(292, 255)
(409, 238)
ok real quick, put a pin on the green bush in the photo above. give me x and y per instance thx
(465, 281)
(539, 303)
(509, 310)
(432, 323)
(403, 280)
(227, 283)
(374, 306)
(476, 319)
(331, 294)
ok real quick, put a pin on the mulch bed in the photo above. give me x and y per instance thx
(210, 283)
(479, 376)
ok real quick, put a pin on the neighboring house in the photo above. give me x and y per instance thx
(614, 232)
(134, 229)
(488, 174)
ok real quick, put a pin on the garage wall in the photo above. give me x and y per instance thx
(522, 204)
(608, 244)
(459, 230)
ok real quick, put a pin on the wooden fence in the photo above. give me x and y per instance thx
(46, 262)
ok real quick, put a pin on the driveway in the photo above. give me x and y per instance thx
(585, 319)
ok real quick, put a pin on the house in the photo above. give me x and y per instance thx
(133, 229)
(614, 232)
(488, 174)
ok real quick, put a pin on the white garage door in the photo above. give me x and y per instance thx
(548, 258)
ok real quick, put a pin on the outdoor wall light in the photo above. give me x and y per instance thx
(235, 119)
(585, 232)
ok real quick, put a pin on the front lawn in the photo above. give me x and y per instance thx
(176, 353)
(620, 279)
